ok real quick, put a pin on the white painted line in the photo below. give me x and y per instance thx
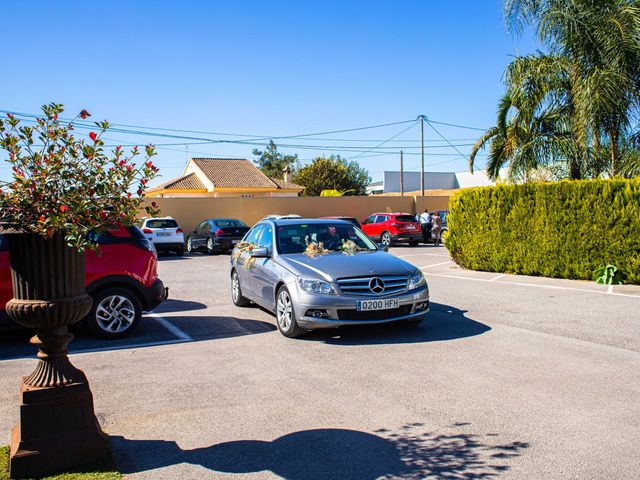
(437, 264)
(522, 284)
(171, 327)
(497, 277)
(423, 254)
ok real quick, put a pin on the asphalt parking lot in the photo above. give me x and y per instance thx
(509, 377)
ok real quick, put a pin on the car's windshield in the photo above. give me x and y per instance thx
(229, 222)
(296, 238)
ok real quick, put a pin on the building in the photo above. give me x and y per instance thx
(432, 181)
(225, 177)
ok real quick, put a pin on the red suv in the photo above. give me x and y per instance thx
(393, 227)
(122, 279)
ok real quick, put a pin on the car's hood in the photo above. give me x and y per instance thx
(335, 265)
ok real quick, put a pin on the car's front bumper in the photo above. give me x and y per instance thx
(154, 294)
(339, 310)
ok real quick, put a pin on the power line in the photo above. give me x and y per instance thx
(443, 137)
(381, 144)
(458, 126)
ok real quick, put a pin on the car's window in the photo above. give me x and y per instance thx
(381, 218)
(229, 222)
(369, 220)
(253, 234)
(203, 227)
(4, 243)
(295, 238)
(405, 218)
(162, 223)
(266, 238)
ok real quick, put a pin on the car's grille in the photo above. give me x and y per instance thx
(359, 286)
(352, 314)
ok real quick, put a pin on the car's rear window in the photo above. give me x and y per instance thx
(405, 218)
(162, 223)
(229, 222)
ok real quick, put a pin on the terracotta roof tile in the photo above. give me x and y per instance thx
(232, 173)
(186, 182)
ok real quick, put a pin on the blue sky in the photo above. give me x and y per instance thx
(265, 68)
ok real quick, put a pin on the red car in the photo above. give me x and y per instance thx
(122, 279)
(388, 228)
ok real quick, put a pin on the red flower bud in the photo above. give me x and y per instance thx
(55, 117)
(128, 194)
(42, 218)
(84, 114)
(149, 164)
(93, 136)
(143, 181)
(10, 115)
(64, 208)
(154, 204)
(129, 167)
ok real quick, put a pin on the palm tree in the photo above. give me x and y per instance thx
(591, 74)
(533, 127)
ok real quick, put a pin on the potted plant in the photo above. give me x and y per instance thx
(62, 190)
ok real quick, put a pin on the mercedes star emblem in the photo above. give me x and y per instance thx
(376, 285)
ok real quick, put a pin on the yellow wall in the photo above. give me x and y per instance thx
(191, 211)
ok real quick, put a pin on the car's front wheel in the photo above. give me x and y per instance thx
(239, 300)
(189, 245)
(285, 316)
(115, 313)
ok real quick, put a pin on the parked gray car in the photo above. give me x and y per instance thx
(324, 273)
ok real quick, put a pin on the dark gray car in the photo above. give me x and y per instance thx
(324, 273)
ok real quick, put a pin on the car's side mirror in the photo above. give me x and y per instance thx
(260, 252)
(383, 247)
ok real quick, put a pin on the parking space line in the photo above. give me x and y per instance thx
(437, 264)
(423, 254)
(171, 327)
(497, 277)
(522, 284)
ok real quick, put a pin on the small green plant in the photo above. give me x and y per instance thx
(608, 275)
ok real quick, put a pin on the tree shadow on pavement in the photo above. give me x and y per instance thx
(443, 322)
(336, 454)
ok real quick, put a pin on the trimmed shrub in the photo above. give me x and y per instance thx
(567, 229)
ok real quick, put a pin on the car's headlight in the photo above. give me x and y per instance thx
(417, 280)
(316, 286)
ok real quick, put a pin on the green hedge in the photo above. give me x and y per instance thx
(566, 229)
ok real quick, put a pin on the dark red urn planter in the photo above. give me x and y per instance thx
(57, 429)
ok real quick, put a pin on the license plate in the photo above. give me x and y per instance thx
(363, 305)
(411, 227)
(164, 234)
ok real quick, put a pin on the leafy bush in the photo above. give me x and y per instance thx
(567, 229)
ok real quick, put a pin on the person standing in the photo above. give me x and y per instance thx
(425, 223)
(437, 228)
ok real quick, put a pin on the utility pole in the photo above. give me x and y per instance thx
(186, 154)
(401, 176)
(421, 118)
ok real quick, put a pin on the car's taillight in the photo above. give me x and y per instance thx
(219, 233)
(147, 230)
(178, 230)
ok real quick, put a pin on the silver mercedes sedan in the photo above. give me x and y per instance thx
(324, 273)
